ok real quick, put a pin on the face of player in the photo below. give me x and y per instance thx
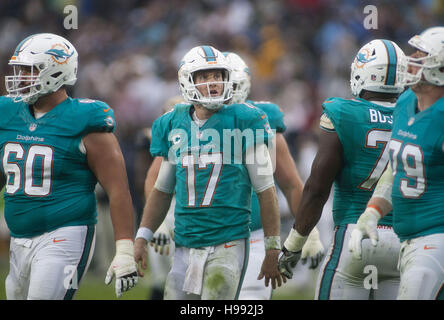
(209, 82)
(24, 76)
(418, 87)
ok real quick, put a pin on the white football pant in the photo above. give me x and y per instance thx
(343, 277)
(49, 266)
(422, 268)
(208, 273)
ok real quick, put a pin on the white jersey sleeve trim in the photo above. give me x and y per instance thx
(325, 123)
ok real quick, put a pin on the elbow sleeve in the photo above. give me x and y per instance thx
(166, 179)
(260, 168)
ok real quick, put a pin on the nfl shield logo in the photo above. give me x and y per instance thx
(32, 127)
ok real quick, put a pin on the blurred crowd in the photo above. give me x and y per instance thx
(299, 51)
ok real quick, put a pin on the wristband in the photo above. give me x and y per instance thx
(295, 241)
(125, 246)
(144, 233)
(272, 243)
(376, 208)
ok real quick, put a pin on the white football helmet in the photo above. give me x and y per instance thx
(204, 58)
(379, 66)
(241, 77)
(53, 63)
(430, 41)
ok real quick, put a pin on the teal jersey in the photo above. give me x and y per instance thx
(213, 188)
(48, 182)
(276, 120)
(417, 159)
(364, 130)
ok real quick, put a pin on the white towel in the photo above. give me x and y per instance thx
(194, 274)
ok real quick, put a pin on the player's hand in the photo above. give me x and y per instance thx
(366, 227)
(291, 253)
(123, 267)
(141, 255)
(287, 262)
(312, 250)
(269, 269)
(161, 240)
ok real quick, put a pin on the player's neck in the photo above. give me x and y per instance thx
(375, 96)
(48, 102)
(428, 95)
(203, 113)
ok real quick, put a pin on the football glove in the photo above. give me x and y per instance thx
(313, 249)
(161, 240)
(123, 267)
(291, 253)
(287, 262)
(366, 227)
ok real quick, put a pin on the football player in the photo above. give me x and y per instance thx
(413, 185)
(352, 154)
(286, 176)
(54, 150)
(212, 184)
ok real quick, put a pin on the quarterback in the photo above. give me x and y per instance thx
(212, 189)
(353, 153)
(54, 149)
(413, 185)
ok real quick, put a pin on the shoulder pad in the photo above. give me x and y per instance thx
(100, 115)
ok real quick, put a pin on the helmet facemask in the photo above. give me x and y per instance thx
(204, 92)
(205, 59)
(429, 67)
(241, 90)
(241, 77)
(25, 85)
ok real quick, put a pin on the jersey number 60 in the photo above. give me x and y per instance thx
(14, 172)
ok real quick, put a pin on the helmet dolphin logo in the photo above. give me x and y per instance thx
(361, 57)
(59, 55)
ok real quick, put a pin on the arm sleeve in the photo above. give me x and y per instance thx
(166, 179)
(259, 167)
(384, 186)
